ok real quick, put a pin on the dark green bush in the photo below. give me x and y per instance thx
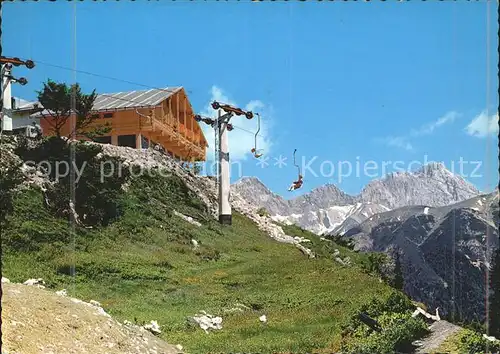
(342, 241)
(31, 225)
(208, 254)
(373, 263)
(399, 329)
(472, 342)
(96, 184)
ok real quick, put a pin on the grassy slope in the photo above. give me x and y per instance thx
(143, 266)
(468, 341)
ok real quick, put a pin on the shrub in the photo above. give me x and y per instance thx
(420, 304)
(31, 225)
(398, 281)
(397, 302)
(197, 168)
(97, 184)
(262, 212)
(399, 329)
(342, 241)
(208, 254)
(472, 342)
(374, 263)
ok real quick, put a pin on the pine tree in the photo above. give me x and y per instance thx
(398, 274)
(60, 101)
(494, 303)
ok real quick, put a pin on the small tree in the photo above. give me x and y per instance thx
(398, 274)
(61, 101)
(494, 306)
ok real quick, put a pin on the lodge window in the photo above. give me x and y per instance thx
(108, 115)
(144, 142)
(126, 140)
(103, 139)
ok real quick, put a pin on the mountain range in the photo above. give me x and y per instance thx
(442, 227)
(445, 252)
(325, 208)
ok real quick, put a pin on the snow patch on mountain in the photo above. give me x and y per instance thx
(327, 209)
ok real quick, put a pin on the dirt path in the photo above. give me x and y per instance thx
(39, 321)
(440, 331)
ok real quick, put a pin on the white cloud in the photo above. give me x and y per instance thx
(403, 141)
(483, 125)
(396, 141)
(429, 128)
(242, 137)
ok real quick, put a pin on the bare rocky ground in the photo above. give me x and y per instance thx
(440, 331)
(36, 320)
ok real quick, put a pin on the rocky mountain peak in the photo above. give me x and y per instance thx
(435, 165)
(255, 192)
(249, 180)
(325, 207)
(432, 185)
(434, 169)
(325, 196)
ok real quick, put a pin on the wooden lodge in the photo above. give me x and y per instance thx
(143, 119)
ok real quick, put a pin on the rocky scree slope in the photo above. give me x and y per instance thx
(324, 209)
(445, 251)
(73, 326)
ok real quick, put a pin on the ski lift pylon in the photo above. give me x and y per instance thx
(230, 109)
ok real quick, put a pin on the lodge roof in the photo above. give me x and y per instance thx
(133, 99)
(126, 100)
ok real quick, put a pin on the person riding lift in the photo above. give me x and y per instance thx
(298, 183)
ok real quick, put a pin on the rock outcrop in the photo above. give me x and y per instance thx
(36, 320)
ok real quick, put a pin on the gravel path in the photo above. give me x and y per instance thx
(440, 331)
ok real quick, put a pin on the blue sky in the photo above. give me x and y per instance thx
(345, 83)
